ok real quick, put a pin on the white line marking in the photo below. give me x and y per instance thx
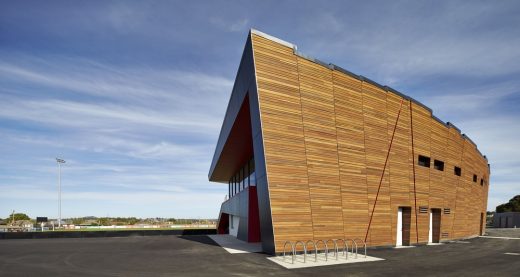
(488, 237)
(514, 254)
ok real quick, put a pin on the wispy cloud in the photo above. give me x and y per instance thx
(132, 94)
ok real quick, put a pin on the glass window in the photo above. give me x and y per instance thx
(239, 174)
(234, 185)
(439, 165)
(424, 161)
(457, 171)
(252, 174)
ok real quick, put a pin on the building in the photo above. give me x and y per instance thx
(506, 220)
(311, 151)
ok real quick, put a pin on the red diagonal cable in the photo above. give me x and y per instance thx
(413, 166)
(384, 168)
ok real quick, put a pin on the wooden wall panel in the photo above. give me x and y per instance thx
(422, 135)
(399, 159)
(351, 152)
(319, 126)
(376, 148)
(284, 144)
(326, 137)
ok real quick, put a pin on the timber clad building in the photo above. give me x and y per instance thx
(311, 151)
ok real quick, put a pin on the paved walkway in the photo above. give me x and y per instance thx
(236, 246)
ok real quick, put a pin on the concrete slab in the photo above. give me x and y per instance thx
(434, 243)
(404, 246)
(235, 246)
(320, 261)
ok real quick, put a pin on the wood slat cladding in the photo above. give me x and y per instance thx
(284, 144)
(326, 136)
(316, 92)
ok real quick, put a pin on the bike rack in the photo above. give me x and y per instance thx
(315, 249)
(335, 247)
(345, 247)
(353, 244)
(364, 243)
(304, 249)
(316, 244)
(326, 248)
(292, 249)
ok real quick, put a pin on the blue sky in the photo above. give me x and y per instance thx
(132, 94)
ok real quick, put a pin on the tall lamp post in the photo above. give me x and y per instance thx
(59, 161)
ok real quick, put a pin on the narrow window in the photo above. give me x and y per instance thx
(243, 177)
(447, 210)
(482, 182)
(439, 165)
(457, 171)
(424, 161)
(423, 209)
(474, 178)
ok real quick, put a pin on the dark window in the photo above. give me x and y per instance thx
(457, 171)
(252, 179)
(424, 161)
(439, 165)
(234, 185)
(481, 182)
(244, 177)
(474, 178)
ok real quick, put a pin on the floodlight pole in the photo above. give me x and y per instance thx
(59, 161)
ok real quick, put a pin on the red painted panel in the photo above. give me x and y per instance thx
(253, 218)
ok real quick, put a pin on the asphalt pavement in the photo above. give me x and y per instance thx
(200, 256)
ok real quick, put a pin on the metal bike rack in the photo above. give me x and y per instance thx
(364, 243)
(326, 248)
(315, 249)
(304, 249)
(345, 248)
(353, 244)
(292, 249)
(335, 247)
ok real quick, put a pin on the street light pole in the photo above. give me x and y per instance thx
(59, 161)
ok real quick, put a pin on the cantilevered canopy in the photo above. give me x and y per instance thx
(238, 147)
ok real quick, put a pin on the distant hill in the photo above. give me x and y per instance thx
(512, 206)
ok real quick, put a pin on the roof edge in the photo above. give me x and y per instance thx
(362, 78)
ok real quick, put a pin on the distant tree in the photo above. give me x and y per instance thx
(77, 221)
(104, 221)
(19, 216)
(512, 206)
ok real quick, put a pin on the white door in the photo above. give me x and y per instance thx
(399, 239)
(430, 233)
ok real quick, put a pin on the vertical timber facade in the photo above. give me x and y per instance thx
(320, 138)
